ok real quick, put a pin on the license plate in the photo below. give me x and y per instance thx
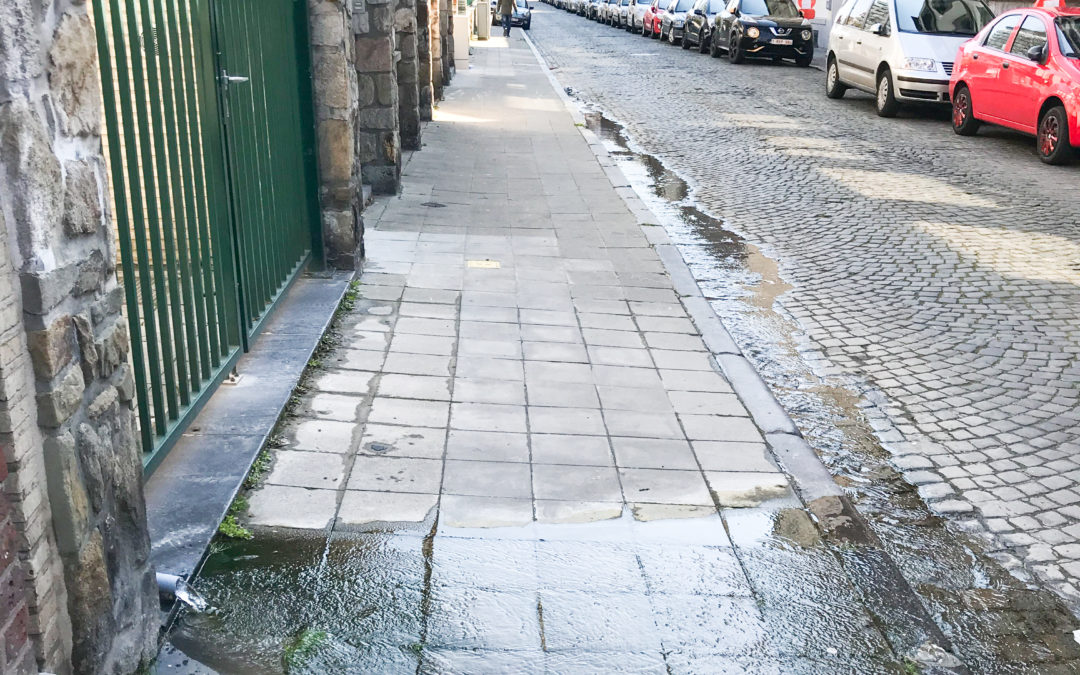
(778, 41)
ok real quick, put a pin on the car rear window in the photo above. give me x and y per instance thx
(942, 17)
(1068, 30)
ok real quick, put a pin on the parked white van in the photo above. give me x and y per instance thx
(900, 50)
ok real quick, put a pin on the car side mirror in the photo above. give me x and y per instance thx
(1037, 53)
(801, 14)
(735, 12)
(879, 29)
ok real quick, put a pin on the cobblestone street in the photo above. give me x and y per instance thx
(933, 276)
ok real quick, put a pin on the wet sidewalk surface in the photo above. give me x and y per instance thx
(520, 457)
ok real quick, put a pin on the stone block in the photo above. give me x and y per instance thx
(407, 47)
(386, 89)
(58, 404)
(408, 95)
(340, 234)
(383, 179)
(335, 150)
(378, 118)
(92, 451)
(108, 306)
(113, 348)
(82, 204)
(90, 605)
(102, 403)
(374, 54)
(34, 173)
(52, 348)
(360, 23)
(365, 90)
(405, 21)
(367, 145)
(327, 25)
(43, 291)
(331, 78)
(382, 22)
(90, 359)
(67, 495)
(73, 74)
(19, 40)
(90, 274)
(125, 383)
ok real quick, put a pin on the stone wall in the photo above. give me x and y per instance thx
(423, 59)
(25, 535)
(67, 424)
(377, 133)
(336, 118)
(446, 29)
(437, 31)
(405, 33)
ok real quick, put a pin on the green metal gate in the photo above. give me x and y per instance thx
(209, 140)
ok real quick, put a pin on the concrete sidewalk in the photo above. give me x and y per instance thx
(521, 400)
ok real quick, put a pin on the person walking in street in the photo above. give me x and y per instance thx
(506, 9)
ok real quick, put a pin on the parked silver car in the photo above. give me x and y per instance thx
(900, 50)
(674, 21)
(636, 14)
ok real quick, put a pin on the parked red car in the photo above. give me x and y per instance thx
(1022, 71)
(650, 24)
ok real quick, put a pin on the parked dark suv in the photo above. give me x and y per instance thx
(772, 29)
(699, 22)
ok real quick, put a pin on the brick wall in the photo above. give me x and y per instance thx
(16, 648)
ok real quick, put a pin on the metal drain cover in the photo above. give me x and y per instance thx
(434, 205)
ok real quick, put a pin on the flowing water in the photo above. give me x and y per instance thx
(998, 621)
(648, 590)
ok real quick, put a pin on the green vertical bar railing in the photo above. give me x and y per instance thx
(214, 221)
(120, 185)
(267, 144)
(163, 139)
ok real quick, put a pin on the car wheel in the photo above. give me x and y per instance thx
(1053, 138)
(963, 119)
(662, 36)
(804, 61)
(734, 51)
(645, 32)
(703, 43)
(714, 50)
(887, 105)
(684, 42)
(671, 35)
(528, 24)
(834, 88)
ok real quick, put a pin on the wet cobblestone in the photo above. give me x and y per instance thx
(934, 276)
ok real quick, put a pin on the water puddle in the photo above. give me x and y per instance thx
(640, 588)
(997, 622)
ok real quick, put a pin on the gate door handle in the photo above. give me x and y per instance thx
(226, 80)
(226, 77)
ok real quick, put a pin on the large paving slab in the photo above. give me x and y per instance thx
(930, 276)
(522, 456)
(521, 382)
